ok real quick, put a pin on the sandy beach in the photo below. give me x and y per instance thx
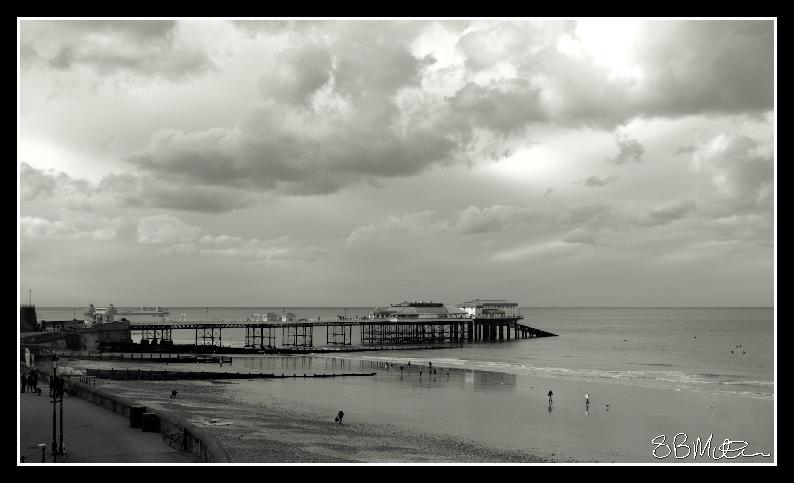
(259, 433)
(466, 416)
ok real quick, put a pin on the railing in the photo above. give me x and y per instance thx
(42, 448)
(195, 440)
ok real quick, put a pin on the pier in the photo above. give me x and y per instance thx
(372, 332)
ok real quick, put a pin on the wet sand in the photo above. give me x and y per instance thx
(467, 416)
(259, 433)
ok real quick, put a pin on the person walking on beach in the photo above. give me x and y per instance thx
(550, 395)
(339, 416)
(587, 400)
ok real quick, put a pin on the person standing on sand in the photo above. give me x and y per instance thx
(550, 395)
(587, 399)
(339, 416)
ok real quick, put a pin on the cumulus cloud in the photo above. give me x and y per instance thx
(493, 218)
(370, 119)
(666, 214)
(675, 68)
(741, 171)
(177, 236)
(295, 152)
(143, 47)
(165, 228)
(72, 227)
(37, 183)
(303, 70)
(595, 181)
(409, 224)
(629, 150)
(502, 108)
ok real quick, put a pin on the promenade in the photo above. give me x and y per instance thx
(91, 434)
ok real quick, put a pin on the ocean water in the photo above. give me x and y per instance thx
(673, 348)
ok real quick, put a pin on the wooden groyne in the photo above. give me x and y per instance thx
(151, 375)
(151, 357)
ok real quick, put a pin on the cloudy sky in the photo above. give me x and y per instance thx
(355, 163)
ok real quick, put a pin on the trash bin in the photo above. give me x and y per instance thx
(151, 422)
(136, 416)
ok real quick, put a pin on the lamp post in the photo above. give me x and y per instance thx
(54, 417)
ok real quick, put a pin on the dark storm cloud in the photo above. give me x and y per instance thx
(708, 66)
(742, 173)
(267, 155)
(145, 191)
(370, 58)
(303, 71)
(146, 48)
(501, 109)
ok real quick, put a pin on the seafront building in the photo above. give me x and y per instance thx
(489, 308)
(417, 309)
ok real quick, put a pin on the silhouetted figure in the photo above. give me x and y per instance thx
(34, 381)
(59, 387)
(173, 394)
(550, 395)
(339, 416)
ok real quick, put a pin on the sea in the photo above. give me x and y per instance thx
(667, 370)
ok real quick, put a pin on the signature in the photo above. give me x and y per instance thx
(679, 448)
